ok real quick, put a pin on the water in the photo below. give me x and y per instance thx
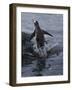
(53, 23)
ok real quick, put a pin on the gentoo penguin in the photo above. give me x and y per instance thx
(39, 33)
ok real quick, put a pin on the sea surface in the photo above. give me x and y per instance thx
(52, 23)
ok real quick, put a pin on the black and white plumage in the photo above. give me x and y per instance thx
(40, 39)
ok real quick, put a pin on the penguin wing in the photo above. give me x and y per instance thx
(32, 35)
(47, 33)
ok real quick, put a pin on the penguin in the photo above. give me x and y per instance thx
(40, 41)
(39, 33)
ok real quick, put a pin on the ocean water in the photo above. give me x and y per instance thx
(52, 23)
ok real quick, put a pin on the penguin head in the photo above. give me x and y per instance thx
(36, 24)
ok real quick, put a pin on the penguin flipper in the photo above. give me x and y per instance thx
(32, 35)
(47, 33)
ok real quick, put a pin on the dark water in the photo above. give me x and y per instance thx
(52, 23)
